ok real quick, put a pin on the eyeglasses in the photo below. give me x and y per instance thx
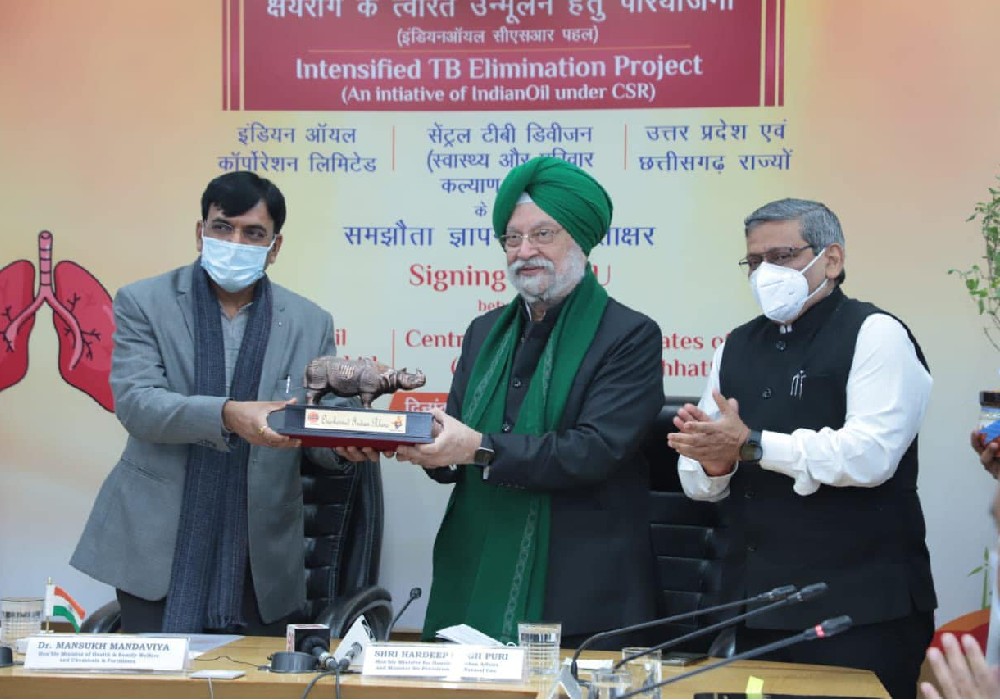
(255, 234)
(541, 237)
(776, 256)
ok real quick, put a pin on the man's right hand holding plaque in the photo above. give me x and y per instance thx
(329, 426)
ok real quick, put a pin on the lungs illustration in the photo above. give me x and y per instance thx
(81, 315)
(17, 282)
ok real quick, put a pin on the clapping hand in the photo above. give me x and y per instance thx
(961, 671)
(715, 444)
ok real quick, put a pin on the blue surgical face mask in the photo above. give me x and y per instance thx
(233, 266)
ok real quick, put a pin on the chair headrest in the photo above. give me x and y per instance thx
(661, 457)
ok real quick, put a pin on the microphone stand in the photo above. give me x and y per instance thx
(776, 594)
(827, 628)
(808, 593)
(414, 594)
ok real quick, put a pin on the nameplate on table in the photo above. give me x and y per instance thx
(105, 652)
(450, 662)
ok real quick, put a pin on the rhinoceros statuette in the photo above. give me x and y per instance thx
(361, 377)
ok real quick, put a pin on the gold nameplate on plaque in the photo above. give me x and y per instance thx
(330, 426)
(366, 421)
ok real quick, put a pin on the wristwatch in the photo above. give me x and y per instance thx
(751, 450)
(484, 454)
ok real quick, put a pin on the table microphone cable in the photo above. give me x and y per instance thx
(335, 671)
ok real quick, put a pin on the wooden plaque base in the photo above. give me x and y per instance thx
(326, 426)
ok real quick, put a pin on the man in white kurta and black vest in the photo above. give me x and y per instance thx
(807, 435)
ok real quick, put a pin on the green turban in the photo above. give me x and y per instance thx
(567, 193)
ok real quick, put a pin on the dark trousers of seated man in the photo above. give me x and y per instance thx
(141, 615)
(892, 650)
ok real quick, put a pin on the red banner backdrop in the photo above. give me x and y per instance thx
(401, 55)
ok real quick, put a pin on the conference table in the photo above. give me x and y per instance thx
(247, 653)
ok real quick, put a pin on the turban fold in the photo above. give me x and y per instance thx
(567, 193)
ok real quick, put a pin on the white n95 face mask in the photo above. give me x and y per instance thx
(780, 291)
(233, 266)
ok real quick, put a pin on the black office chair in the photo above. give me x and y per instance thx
(688, 543)
(344, 516)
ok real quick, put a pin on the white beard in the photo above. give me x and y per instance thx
(552, 285)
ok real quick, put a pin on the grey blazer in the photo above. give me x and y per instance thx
(128, 541)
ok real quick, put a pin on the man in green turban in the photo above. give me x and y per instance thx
(550, 400)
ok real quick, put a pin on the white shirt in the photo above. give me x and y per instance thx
(887, 393)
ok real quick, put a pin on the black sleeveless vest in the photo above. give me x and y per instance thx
(867, 544)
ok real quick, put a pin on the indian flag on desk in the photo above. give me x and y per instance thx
(59, 603)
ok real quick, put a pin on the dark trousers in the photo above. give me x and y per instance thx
(893, 650)
(141, 615)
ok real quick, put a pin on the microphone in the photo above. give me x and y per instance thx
(827, 628)
(320, 648)
(807, 593)
(349, 656)
(326, 661)
(310, 643)
(352, 647)
(776, 594)
(414, 594)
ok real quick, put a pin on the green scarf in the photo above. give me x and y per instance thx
(491, 552)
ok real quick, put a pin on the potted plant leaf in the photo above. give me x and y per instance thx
(982, 282)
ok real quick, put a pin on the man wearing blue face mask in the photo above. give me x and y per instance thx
(806, 434)
(199, 525)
